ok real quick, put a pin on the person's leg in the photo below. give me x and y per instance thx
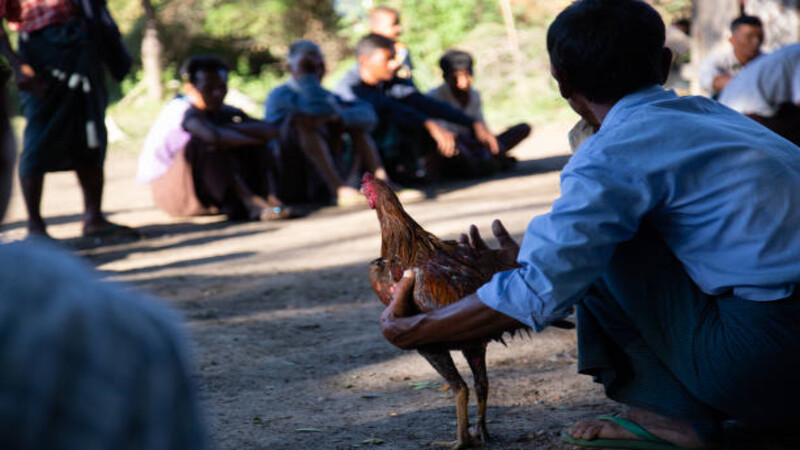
(365, 147)
(32, 186)
(656, 342)
(91, 179)
(636, 330)
(252, 173)
(511, 137)
(316, 149)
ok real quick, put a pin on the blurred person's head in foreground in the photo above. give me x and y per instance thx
(375, 55)
(305, 58)
(747, 35)
(603, 50)
(385, 21)
(205, 81)
(456, 68)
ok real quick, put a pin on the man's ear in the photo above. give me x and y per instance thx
(564, 86)
(666, 64)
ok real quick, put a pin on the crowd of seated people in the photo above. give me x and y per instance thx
(202, 156)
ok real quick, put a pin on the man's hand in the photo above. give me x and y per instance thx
(720, 81)
(486, 137)
(27, 80)
(491, 259)
(445, 140)
(394, 323)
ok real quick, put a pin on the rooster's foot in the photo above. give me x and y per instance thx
(479, 433)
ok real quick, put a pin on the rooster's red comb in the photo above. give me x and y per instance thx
(368, 177)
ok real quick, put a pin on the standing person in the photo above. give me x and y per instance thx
(86, 363)
(61, 82)
(414, 147)
(457, 91)
(317, 127)
(768, 91)
(202, 156)
(385, 21)
(747, 35)
(675, 237)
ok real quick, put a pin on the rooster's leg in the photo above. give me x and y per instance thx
(476, 357)
(443, 363)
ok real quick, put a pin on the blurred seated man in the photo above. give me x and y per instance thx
(314, 124)
(408, 135)
(204, 157)
(385, 21)
(747, 35)
(86, 363)
(457, 91)
(768, 91)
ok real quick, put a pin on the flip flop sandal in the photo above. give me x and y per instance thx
(275, 213)
(113, 230)
(646, 439)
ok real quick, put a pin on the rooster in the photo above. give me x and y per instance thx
(444, 272)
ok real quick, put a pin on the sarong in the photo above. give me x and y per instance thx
(655, 341)
(65, 127)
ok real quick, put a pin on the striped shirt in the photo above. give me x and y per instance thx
(27, 16)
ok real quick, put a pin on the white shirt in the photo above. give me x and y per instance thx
(474, 108)
(720, 63)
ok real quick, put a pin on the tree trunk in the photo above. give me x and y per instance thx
(710, 30)
(151, 53)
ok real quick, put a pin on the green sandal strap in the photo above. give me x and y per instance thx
(634, 428)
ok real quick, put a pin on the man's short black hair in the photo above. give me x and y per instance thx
(606, 49)
(454, 60)
(371, 42)
(201, 63)
(746, 20)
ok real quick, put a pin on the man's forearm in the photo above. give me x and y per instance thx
(258, 129)
(466, 320)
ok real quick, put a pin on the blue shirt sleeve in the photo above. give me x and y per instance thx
(279, 104)
(563, 252)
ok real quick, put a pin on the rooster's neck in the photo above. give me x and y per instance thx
(402, 237)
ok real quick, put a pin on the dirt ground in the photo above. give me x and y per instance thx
(284, 324)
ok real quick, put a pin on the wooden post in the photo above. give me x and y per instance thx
(710, 30)
(151, 53)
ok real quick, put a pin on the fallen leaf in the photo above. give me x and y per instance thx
(417, 385)
(308, 430)
(370, 395)
(373, 441)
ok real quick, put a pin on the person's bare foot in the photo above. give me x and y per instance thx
(349, 196)
(674, 431)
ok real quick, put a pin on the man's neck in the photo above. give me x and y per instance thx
(462, 97)
(367, 77)
(743, 60)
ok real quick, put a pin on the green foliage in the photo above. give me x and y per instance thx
(253, 36)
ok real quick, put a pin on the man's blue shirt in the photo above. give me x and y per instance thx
(722, 191)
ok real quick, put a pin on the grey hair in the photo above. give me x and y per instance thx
(299, 47)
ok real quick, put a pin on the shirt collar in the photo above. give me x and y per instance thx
(623, 107)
